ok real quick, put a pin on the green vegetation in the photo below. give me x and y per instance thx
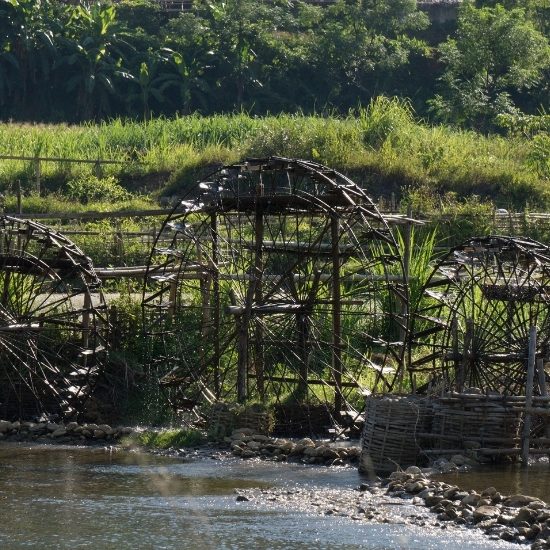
(90, 61)
(383, 146)
(164, 439)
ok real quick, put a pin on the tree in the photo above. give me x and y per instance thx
(362, 42)
(94, 59)
(496, 55)
(27, 54)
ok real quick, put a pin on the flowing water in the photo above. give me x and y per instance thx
(69, 497)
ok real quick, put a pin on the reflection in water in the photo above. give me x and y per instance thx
(91, 498)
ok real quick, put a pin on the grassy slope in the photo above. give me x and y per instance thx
(382, 146)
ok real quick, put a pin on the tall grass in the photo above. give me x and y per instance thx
(382, 144)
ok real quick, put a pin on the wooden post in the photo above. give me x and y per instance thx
(215, 303)
(302, 325)
(37, 173)
(258, 292)
(19, 203)
(336, 315)
(404, 305)
(529, 395)
(456, 357)
(465, 364)
(172, 298)
(118, 243)
(543, 389)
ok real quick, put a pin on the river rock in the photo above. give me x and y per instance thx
(99, 434)
(414, 470)
(486, 512)
(106, 429)
(518, 501)
(61, 431)
(5, 426)
(71, 426)
(471, 500)
(525, 515)
(489, 492)
(306, 442)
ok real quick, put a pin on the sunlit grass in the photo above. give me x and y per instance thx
(381, 143)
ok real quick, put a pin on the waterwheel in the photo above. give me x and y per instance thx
(52, 322)
(472, 327)
(277, 281)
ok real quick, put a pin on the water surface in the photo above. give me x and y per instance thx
(69, 497)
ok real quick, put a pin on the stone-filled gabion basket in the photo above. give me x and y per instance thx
(474, 421)
(226, 417)
(390, 435)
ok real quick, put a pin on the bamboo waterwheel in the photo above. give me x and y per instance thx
(472, 328)
(52, 322)
(276, 280)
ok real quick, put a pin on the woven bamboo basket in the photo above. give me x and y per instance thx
(390, 434)
(467, 421)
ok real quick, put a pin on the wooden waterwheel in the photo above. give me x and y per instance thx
(472, 327)
(52, 322)
(276, 280)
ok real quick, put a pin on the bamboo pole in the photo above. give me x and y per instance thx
(529, 394)
(216, 302)
(336, 315)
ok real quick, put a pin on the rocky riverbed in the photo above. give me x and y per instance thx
(52, 432)
(513, 518)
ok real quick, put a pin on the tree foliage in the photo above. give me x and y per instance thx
(91, 61)
(496, 55)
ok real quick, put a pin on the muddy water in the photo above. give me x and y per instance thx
(93, 498)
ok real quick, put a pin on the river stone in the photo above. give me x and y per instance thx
(451, 492)
(400, 476)
(459, 460)
(525, 514)
(59, 432)
(432, 500)
(254, 445)
(52, 426)
(306, 442)
(261, 438)
(71, 426)
(471, 500)
(99, 434)
(489, 492)
(414, 487)
(414, 470)
(312, 451)
(486, 512)
(518, 501)
(5, 426)
(330, 454)
(106, 428)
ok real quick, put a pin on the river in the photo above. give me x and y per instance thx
(71, 497)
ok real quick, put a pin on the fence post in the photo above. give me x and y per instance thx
(19, 204)
(37, 173)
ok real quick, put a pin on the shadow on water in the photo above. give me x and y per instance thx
(68, 498)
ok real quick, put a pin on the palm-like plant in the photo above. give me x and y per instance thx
(94, 57)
